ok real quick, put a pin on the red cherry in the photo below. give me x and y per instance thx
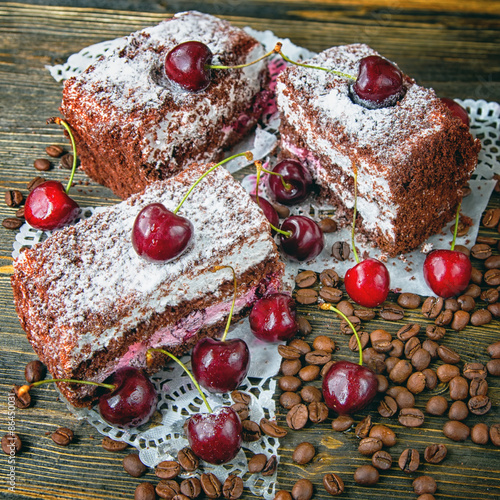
(220, 366)
(187, 65)
(269, 211)
(379, 83)
(48, 207)
(274, 318)
(215, 437)
(294, 174)
(457, 110)
(447, 272)
(159, 235)
(307, 240)
(132, 402)
(367, 283)
(349, 387)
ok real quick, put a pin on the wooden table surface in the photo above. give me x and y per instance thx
(450, 45)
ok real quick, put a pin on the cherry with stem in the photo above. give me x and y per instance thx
(348, 387)
(367, 283)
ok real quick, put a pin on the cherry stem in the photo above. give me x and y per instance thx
(258, 165)
(240, 66)
(230, 317)
(58, 121)
(184, 367)
(277, 49)
(328, 307)
(455, 231)
(25, 388)
(354, 213)
(247, 154)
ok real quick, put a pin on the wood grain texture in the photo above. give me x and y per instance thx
(453, 46)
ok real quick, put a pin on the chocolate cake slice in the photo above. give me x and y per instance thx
(133, 126)
(412, 159)
(89, 304)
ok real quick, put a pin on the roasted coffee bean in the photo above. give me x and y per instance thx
(168, 469)
(397, 348)
(448, 355)
(306, 296)
(481, 251)
(211, 485)
(327, 225)
(309, 373)
(33, 183)
(54, 150)
(290, 367)
(329, 277)
(478, 387)
(405, 399)
(12, 223)
(494, 309)
(20, 213)
(304, 326)
(424, 484)
(297, 417)
(491, 218)
(492, 277)
(431, 347)
(401, 371)
(289, 399)
(145, 491)
(490, 296)
(22, 401)
(458, 411)
(492, 262)
(409, 300)
(318, 357)
(180, 496)
(384, 433)
(301, 345)
(323, 343)
(392, 312)
(325, 368)
(111, 445)
(366, 475)
(133, 465)
(416, 382)
(421, 359)
(364, 314)
(13, 198)
(408, 331)
(318, 412)
(411, 347)
(460, 320)
(382, 460)
(362, 430)
(62, 436)
(167, 488)
(303, 453)
(374, 360)
(493, 350)
(272, 429)
(251, 431)
(381, 340)
(309, 394)
(411, 417)
(435, 332)
(187, 459)
(332, 295)
(476, 276)
(430, 378)
(445, 317)
(346, 307)
(346, 328)
(305, 279)
(369, 445)
(387, 407)
(257, 463)
(459, 388)
(474, 370)
(42, 164)
(282, 211)
(466, 303)
(481, 317)
(456, 431)
(436, 405)
(383, 383)
(479, 405)
(452, 304)
(435, 453)
(495, 434)
(446, 372)
(333, 484)
(409, 460)
(11, 443)
(342, 423)
(341, 250)
(303, 489)
(232, 489)
(479, 434)
(66, 161)
(34, 371)
(432, 306)
(364, 338)
(283, 495)
(289, 383)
